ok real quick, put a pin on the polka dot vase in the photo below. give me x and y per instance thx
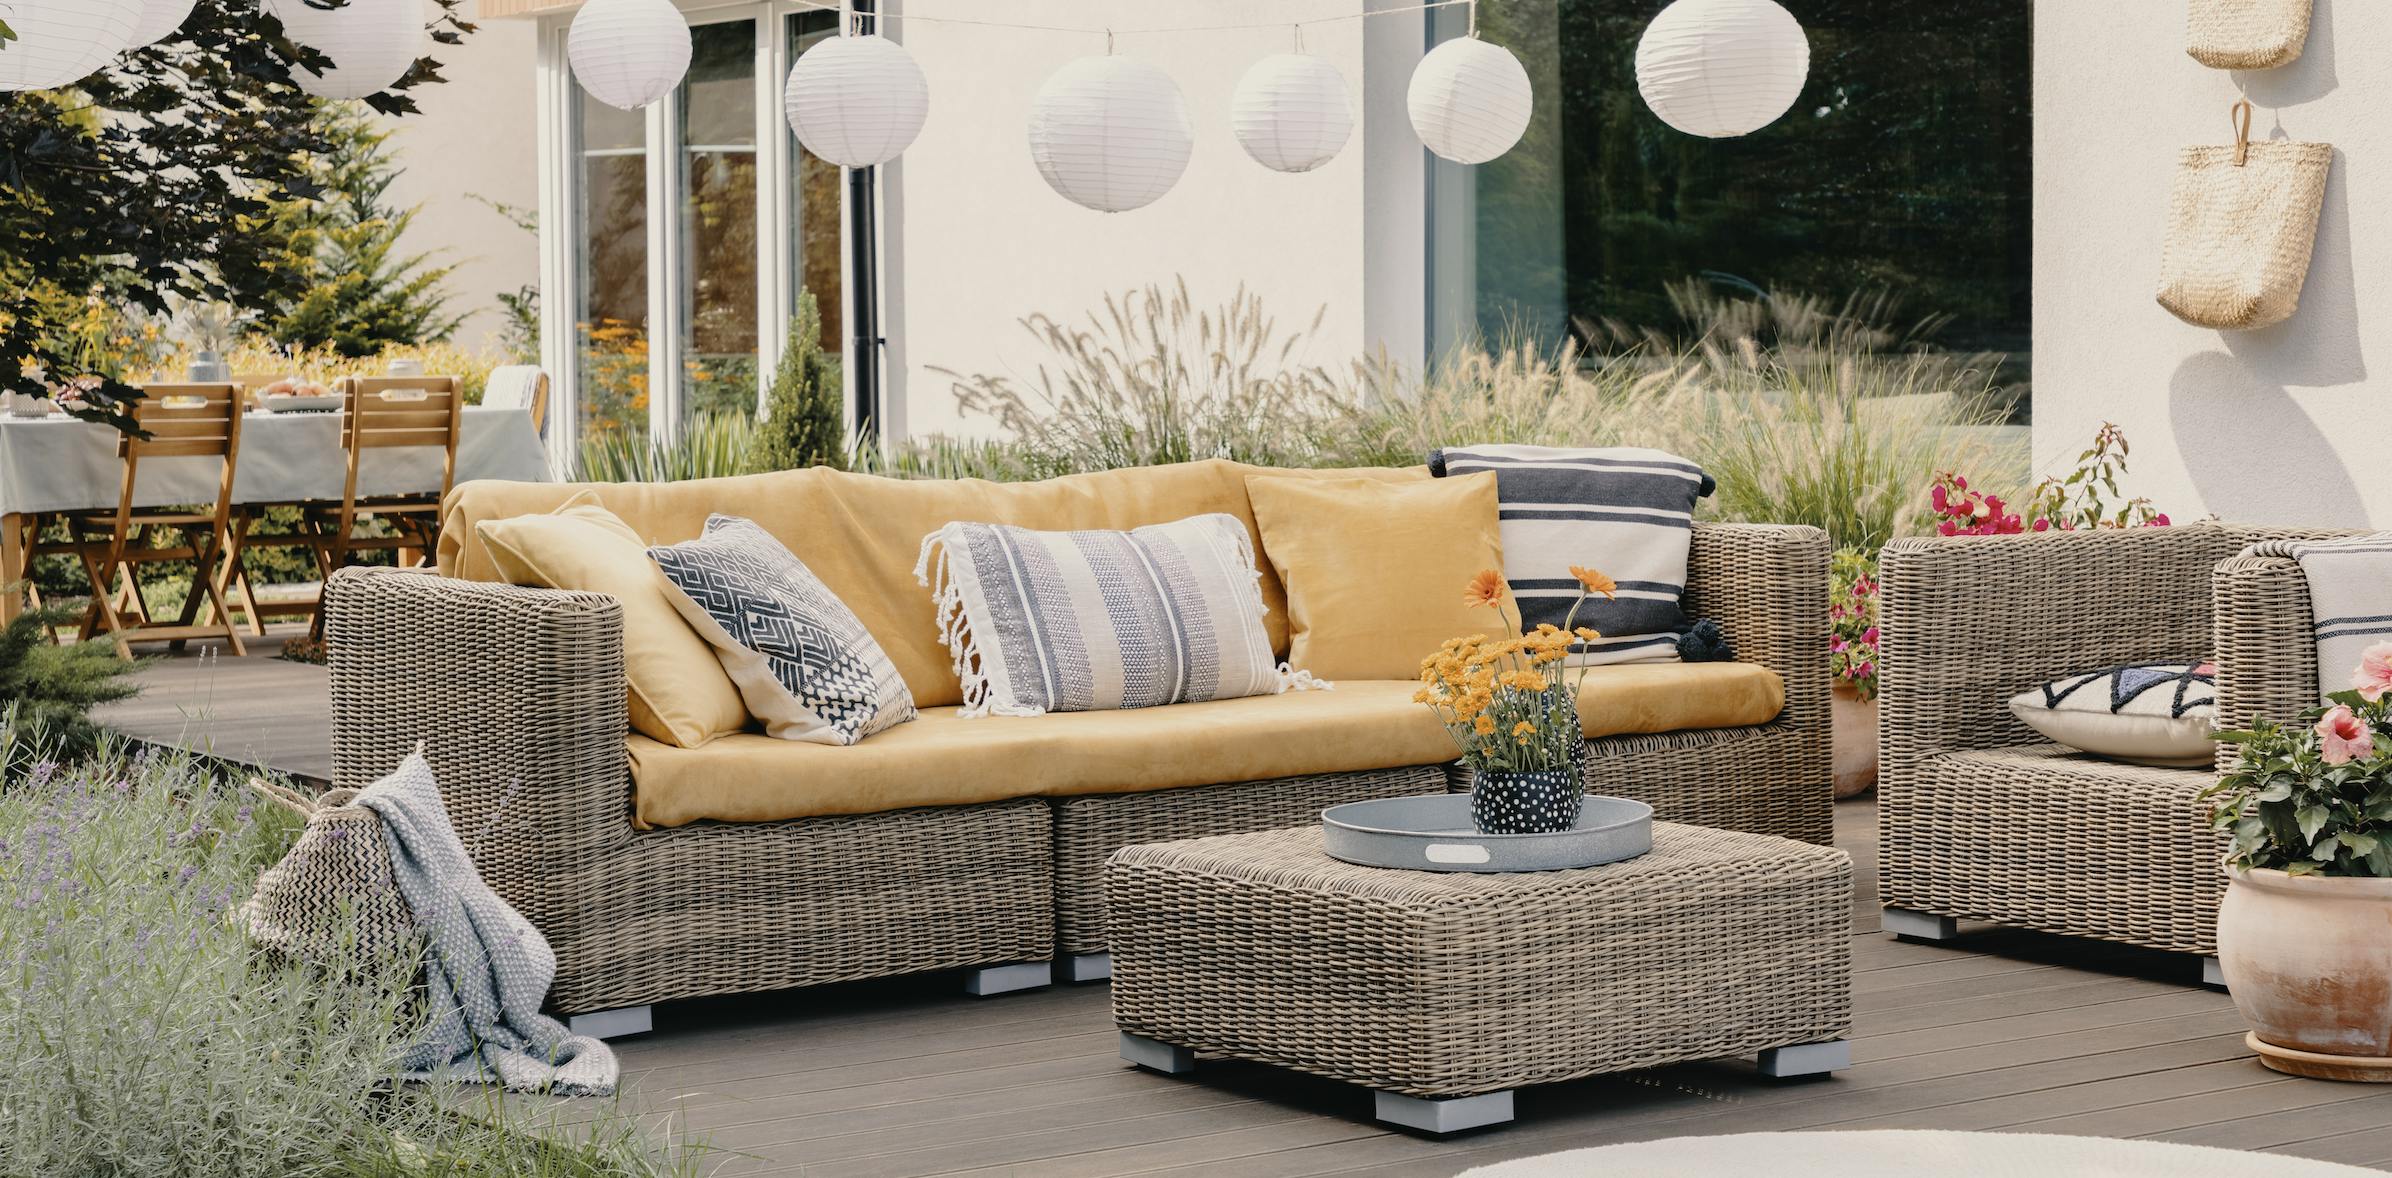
(1525, 803)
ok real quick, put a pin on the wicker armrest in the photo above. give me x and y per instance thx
(517, 697)
(1766, 586)
(2265, 642)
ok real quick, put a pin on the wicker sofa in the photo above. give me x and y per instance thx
(519, 695)
(1980, 818)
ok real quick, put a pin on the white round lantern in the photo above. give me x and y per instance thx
(857, 101)
(372, 43)
(1291, 113)
(62, 41)
(1470, 101)
(159, 20)
(1722, 68)
(1111, 133)
(629, 53)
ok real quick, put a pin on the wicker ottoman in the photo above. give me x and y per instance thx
(1444, 992)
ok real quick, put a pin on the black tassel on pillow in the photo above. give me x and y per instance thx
(1705, 643)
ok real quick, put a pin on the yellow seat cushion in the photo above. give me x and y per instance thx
(1375, 571)
(862, 534)
(680, 693)
(942, 759)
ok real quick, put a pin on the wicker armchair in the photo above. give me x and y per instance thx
(1979, 818)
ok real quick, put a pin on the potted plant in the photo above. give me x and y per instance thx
(1852, 662)
(2302, 934)
(1512, 708)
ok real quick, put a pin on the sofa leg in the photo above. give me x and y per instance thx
(2212, 974)
(1084, 967)
(1004, 979)
(613, 1024)
(1157, 1056)
(1450, 1115)
(1807, 1059)
(1920, 926)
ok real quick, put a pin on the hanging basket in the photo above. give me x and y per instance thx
(2242, 220)
(2246, 34)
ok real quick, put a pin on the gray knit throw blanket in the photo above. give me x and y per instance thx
(488, 968)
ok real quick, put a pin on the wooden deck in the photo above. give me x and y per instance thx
(2000, 1031)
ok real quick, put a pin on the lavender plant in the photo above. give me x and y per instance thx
(144, 1035)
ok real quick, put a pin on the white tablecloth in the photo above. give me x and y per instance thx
(60, 464)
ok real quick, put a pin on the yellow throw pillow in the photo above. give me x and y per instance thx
(679, 692)
(1376, 571)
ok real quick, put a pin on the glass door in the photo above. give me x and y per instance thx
(718, 245)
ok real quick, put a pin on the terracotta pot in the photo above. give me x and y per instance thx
(2309, 962)
(1855, 722)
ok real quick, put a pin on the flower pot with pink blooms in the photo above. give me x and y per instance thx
(1852, 664)
(2305, 931)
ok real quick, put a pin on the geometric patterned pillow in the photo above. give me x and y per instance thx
(2148, 713)
(803, 662)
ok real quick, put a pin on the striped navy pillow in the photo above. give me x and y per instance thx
(1626, 511)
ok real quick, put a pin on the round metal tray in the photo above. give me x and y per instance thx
(1436, 833)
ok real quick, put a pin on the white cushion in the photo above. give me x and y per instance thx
(2150, 713)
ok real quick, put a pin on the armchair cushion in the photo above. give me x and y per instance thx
(943, 759)
(679, 692)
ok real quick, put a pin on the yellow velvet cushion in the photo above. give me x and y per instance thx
(862, 533)
(944, 760)
(679, 691)
(1376, 571)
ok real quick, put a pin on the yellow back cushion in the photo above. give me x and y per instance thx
(679, 692)
(1376, 571)
(862, 534)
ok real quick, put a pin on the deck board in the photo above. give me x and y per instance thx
(1997, 1029)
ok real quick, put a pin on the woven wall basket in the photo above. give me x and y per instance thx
(2241, 222)
(2247, 34)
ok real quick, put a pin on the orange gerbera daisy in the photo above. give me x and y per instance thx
(1595, 582)
(1486, 589)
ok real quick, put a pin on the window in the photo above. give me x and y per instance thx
(816, 263)
(718, 248)
(1903, 172)
(611, 320)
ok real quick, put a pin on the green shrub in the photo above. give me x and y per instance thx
(802, 425)
(51, 688)
(144, 1035)
(716, 445)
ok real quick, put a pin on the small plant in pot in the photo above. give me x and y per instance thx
(2302, 934)
(1852, 664)
(1511, 706)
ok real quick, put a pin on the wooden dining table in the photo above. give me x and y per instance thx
(58, 463)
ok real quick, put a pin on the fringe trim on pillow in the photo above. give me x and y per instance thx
(1291, 679)
(932, 572)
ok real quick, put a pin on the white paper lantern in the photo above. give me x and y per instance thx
(1470, 101)
(159, 20)
(857, 101)
(1721, 68)
(629, 53)
(1111, 133)
(372, 43)
(1291, 112)
(62, 41)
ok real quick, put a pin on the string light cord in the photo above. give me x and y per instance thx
(1111, 31)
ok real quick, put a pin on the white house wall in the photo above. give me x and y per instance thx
(2282, 425)
(985, 242)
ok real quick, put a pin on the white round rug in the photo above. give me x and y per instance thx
(1909, 1154)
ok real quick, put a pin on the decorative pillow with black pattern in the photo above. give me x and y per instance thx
(803, 662)
(2148, 714)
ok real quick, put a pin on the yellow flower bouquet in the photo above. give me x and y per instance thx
(1511, 706)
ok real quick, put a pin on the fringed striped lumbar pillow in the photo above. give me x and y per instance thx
(1626, 511)
(1087, 621)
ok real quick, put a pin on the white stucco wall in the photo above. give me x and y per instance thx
(2282, 425)
(477, 135)
(980, 241)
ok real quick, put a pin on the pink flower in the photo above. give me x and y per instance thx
(1868, 637)
(2374, 674)
(2343, 736)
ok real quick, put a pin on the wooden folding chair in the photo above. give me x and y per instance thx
(181, 421)
(383, 413)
